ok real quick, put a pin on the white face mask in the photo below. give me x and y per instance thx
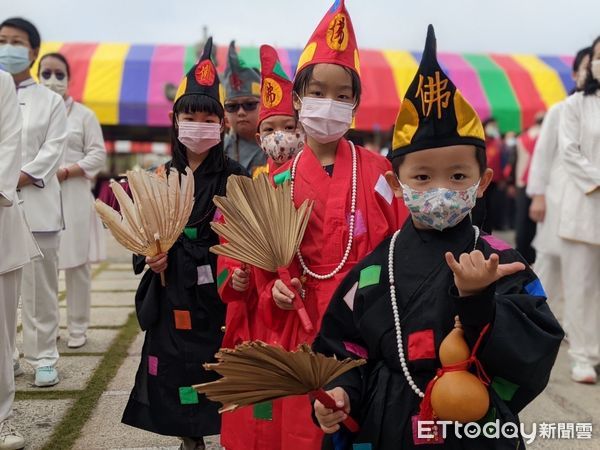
(14, 58)
(595, 66)
(439, 208)
(282, 145)
(56, 85)
(325, 120)
(199, 137)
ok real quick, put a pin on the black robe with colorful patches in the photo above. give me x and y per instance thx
(182, 321)
(517, 352)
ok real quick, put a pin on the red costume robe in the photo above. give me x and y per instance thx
(287, 423)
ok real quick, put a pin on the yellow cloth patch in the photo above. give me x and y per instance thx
(256, 89)
(407, 124)
(468, 123)
(356, 61)
(307, 55)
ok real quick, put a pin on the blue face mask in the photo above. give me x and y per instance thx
(14, 58)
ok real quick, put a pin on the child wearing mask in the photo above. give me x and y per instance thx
(258, 427)
(396, 306)
(183, 320)
(354, 208)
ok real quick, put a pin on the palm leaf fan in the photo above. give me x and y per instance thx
(255, 372)
(262, 227)
(151, 222)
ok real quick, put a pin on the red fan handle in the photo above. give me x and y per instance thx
(285, 276)
(329, 402)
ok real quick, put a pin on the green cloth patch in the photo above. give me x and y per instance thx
(504, 388)
(191, 233)
(263, 411)
(188, 396)
(279, 71)
(369, 276)
(282, 177)
(222, 277)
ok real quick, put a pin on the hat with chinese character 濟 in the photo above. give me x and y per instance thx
(434, 113)
(276, 88)
(333, 41)
(239, 79)
(202, 78)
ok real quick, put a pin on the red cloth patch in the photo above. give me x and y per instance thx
(421, 345)
(183, 320)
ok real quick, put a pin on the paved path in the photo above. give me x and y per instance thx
(40, 411)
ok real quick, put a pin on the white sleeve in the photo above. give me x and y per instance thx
(544, 154)
(10, 140)
(93, 146)
(577, 165)
(50, 156)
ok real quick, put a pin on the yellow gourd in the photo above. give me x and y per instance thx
(458, 395)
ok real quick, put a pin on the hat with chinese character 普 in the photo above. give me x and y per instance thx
(202, 78)
(239, 79)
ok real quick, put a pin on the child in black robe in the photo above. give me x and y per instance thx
(183, 321)
(396, 306)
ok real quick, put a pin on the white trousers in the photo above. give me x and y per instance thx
(39, 298)
(79, 284)
(548, 269)
(10, 287)
(581, 280)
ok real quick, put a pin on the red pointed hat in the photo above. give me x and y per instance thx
(276, 88)
(333, 41)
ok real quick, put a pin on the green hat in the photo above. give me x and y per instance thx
(434, 113)
(239, 79)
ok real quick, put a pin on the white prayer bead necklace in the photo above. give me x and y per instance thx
(401, 356)
(352, 217)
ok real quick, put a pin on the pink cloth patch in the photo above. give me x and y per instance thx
(153, 365)
(429, 433)
(356, 349)
(496, 243)
(218, 215)
(360, 227)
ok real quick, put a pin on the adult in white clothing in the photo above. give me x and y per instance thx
(545, 186)
(18, 248)
(43, 140)
(579, 226)
(83, 239)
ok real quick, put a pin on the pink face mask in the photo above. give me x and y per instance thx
(199, 137)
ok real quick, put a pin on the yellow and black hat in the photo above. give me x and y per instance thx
(434, 113)
(202, 79)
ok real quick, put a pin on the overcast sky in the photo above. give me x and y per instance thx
(504, 26)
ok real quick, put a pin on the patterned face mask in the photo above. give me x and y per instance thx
(282, 145)
(440, 208)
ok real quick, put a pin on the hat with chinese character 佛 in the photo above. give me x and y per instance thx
(240, 80)
(434, 113)
(333, 41)
(202, 78)
(276, 88)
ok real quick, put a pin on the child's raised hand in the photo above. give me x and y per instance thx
(473, 273)
(240, 280)
(329, 419)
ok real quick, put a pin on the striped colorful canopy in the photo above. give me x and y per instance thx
(125, 84)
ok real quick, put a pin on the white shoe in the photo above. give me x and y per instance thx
(76, 342)
(584, 373)
(46, 376)
(18, 370)
(10, 438)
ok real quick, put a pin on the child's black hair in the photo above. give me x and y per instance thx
(192, 103)
(303, 78)
(58, 56)
(591, 85)
(480, 156)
